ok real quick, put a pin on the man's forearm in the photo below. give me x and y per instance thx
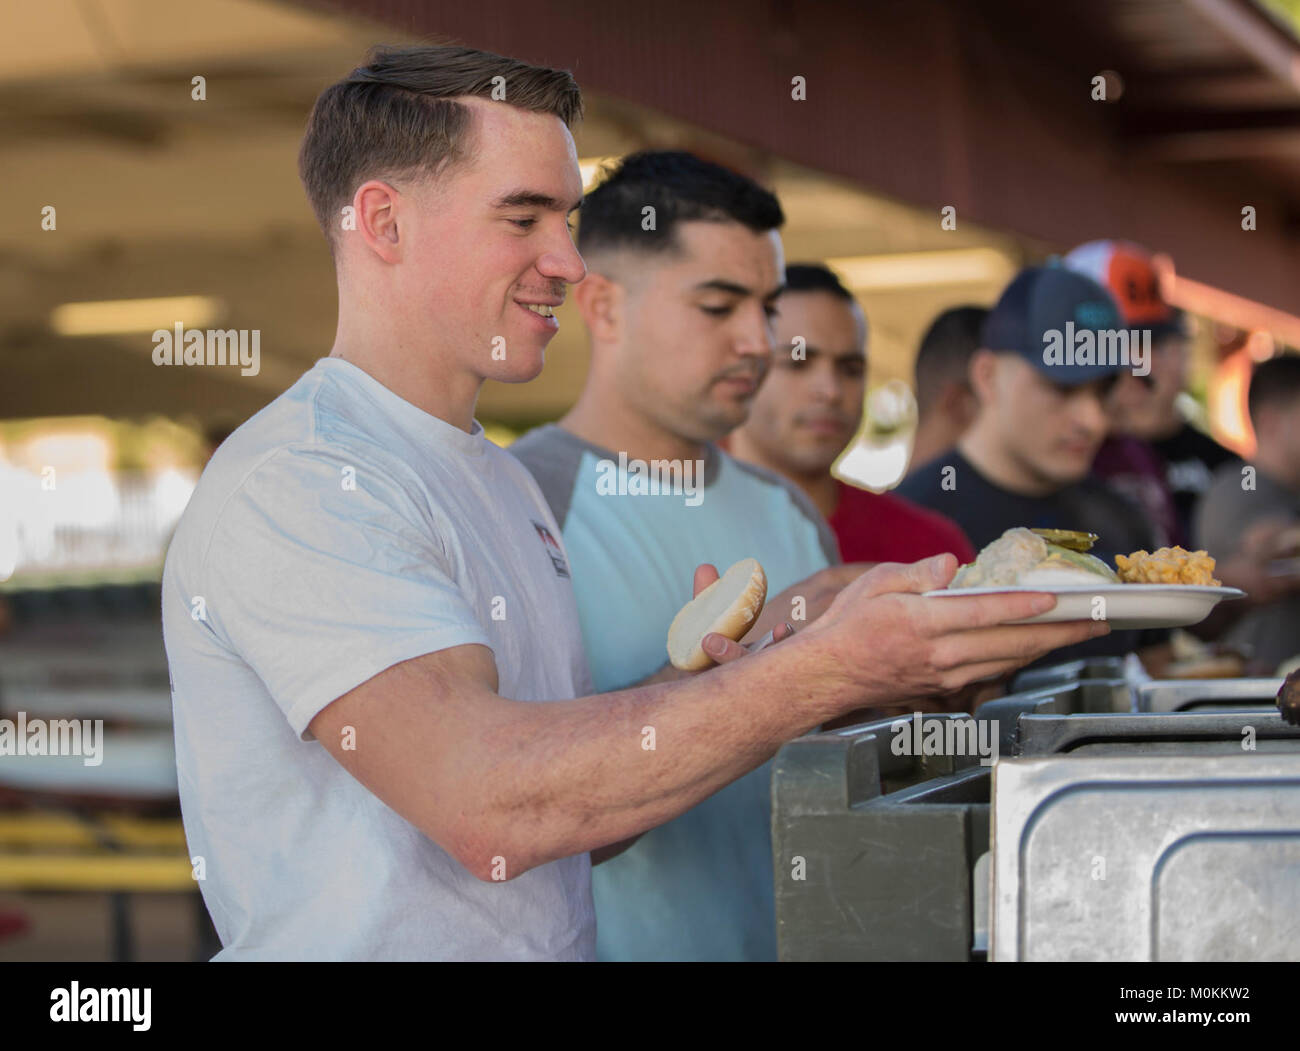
(587, 774)
(533, 782)
(665, 674)
(602, 854)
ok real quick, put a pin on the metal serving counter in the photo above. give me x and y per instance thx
(1171, 832)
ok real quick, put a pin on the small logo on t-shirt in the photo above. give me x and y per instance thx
(552, 549)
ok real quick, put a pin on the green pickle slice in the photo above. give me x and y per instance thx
(1068, 538)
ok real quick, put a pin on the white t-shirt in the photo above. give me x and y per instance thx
(338, 532)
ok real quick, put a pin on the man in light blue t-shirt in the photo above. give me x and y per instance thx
(679, 322)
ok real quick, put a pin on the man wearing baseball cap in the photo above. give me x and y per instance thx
(1155, 455)
(1152, 438)
(1047, 362)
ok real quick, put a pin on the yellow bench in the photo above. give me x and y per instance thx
(112, 854)
(124, 873)
(63, 830)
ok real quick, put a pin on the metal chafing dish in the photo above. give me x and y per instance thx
(1184, 695)
(1070, 671)
(1146, 857)
(873, 851)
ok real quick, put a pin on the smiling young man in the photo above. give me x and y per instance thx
(385, 740)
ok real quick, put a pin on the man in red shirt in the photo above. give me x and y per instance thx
(809, 408)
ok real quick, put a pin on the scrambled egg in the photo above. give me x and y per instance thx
(1167, 565)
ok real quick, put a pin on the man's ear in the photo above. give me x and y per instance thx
(960, 403)
(600, 301)
(981, 373)
(376, 205)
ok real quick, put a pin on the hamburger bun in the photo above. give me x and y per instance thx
(729, 606)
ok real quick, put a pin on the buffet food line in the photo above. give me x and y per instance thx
(1092, 814)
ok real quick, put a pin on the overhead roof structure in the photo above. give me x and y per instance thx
(910, 107)
(987, 107)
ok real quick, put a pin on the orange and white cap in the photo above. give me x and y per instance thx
(1127, 272)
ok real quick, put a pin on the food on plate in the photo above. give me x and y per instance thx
(729, 606)
(1167, 565)
(1059, 557)
(1023, 558)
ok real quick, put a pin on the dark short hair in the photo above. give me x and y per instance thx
(1273, 383)
(946, 350)
(815, 277)
(681, 188)
(397, 114)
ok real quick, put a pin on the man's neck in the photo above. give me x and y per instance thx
(930, 440)
(823, 490)
(821, 487)
(449, 397)
(986, 455)
(1164, 429)
(605, 421)
(404, 359)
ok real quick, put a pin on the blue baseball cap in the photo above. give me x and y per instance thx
(1040, 316)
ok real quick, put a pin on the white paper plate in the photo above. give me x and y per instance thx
(1124, 606)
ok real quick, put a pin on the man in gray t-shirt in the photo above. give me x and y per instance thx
(1260, 504)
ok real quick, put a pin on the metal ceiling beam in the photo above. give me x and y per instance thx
(1215, 135)
(1265, 40)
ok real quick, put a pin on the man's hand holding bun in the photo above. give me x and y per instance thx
(721, 648)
